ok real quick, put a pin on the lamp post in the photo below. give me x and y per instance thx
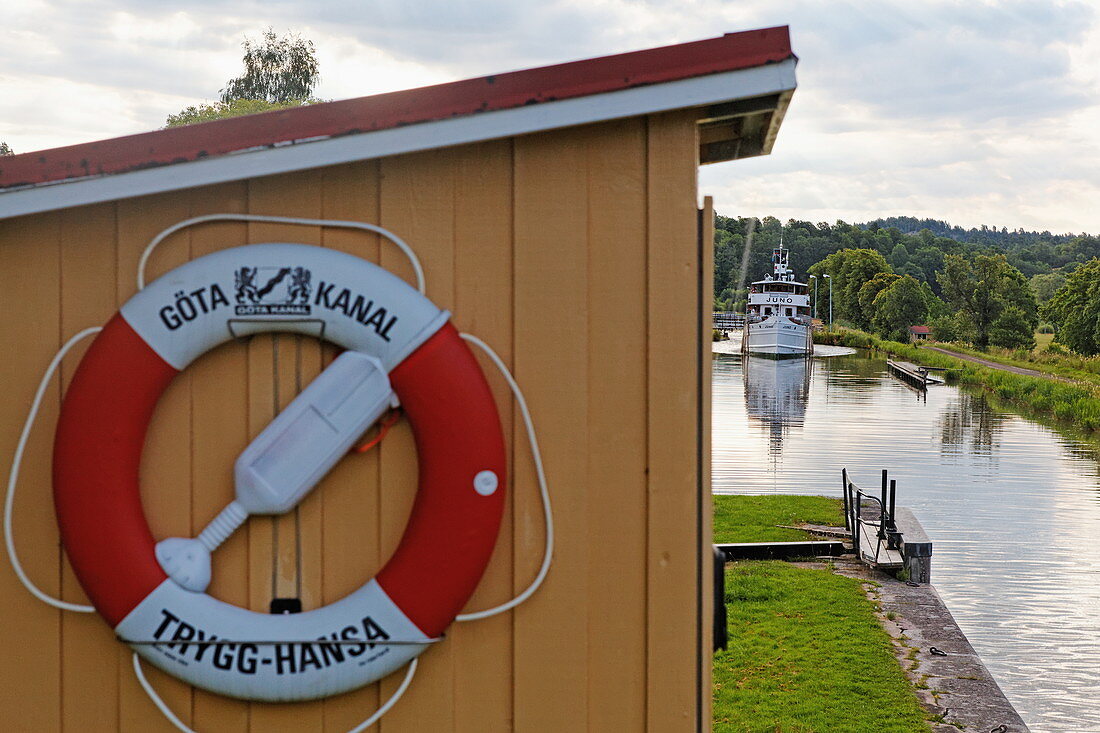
(814, 278)
(830, 300)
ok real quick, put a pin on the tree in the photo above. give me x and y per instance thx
(952, 327)
(276, 70)
(849, 269)
(1017, 293)
(870, 291)
(1012, 330)
(221, 110)
(898, 307)
(278, 73)
(934, 303)
(1075, 309)
(1046, 285)
(899, 256)
(982, 287)
(928, 260)
(4, 149)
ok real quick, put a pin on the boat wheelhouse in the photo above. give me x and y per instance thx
(778, 321)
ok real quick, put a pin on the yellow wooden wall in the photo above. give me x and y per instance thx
(576, 255)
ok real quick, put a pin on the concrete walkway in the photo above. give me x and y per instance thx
(954, 686)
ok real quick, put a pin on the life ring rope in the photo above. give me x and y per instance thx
(172, 718)
(544, 492)
(297, 221)
(47, 376)
(13, 478)
(418, 270)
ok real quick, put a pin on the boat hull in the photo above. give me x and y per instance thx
(777, 338)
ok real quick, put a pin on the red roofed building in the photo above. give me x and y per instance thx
(919, 333)
(556, 215)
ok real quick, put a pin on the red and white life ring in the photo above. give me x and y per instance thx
(451, 531)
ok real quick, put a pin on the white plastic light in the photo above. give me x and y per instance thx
(289, 457)
(312, 434)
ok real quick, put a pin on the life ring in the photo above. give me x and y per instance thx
(454, 521)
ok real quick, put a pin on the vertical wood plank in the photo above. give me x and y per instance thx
(575, 255)
(483, 306)
(279, 366)
(166, 458)
(351, 491)
(91, 672)
(551, 362)
(617, 505)
(219, 395)
(30, 281)
(417, 204)
(706, 499)
(673, 405)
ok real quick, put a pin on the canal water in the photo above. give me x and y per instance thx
(1012, 506)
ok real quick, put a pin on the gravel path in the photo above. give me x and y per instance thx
(1002, 367)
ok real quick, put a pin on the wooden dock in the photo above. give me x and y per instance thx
(913, 374)
(877, 553)
(876, 538)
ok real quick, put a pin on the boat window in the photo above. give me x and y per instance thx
(767, 311)
(789, 311)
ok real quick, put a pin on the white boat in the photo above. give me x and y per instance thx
(778, 322)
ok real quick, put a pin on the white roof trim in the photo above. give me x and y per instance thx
(662, 97)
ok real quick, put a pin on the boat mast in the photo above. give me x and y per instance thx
(779, 261)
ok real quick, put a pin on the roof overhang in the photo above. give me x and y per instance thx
(740, 85)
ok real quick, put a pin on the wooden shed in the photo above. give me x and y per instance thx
(557, 216)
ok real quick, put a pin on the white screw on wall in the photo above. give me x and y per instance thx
(486, 482)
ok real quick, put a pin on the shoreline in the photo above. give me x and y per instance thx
(956, 688)
(943, 672)
(1043, 399)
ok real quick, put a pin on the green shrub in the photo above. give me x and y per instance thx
(1012, 330)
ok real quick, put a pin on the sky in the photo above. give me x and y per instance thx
(971, 111)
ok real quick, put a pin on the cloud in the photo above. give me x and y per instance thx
(974, 62)
(971, 110)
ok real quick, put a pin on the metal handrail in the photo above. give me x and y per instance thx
(886, 526)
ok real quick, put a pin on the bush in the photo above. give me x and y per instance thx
(943, 328)
(1012, 330)
(955, 327)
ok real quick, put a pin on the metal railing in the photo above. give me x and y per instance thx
(728, 321)
(881, 522)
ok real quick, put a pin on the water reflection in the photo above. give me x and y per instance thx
(776, 391)
(1013, 507)
(970, 423)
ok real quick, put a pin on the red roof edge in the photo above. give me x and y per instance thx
(730, 52)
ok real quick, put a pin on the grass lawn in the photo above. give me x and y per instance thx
(753, 518)
(807, 655)
(806, 652)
